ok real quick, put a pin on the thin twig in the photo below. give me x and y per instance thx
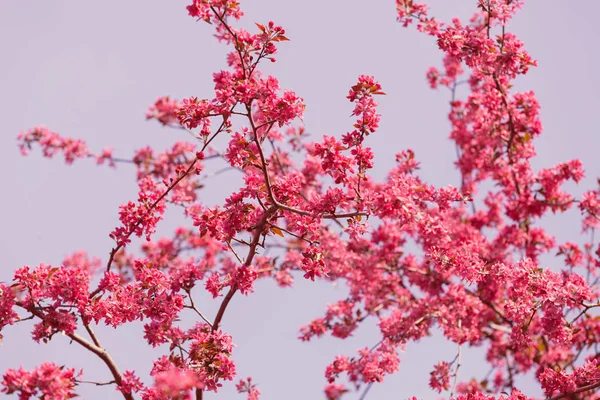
(363, 396)
(92, 335)
(251, 252)
(97, 350)
(95, 383)
(458, 364)
(580, 390)
(193, 307)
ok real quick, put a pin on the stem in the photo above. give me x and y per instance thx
(223, 307)
(234, 36)
(580, 390)
(153, 205)
(193, 307)
(92, 334)
(97, 350)
(270, 189)
(363, 396)
(105, 357)
(119, 246)
(251, 252)
(96, 383)
(458, 364)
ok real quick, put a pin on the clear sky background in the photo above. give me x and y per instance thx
(91, 69)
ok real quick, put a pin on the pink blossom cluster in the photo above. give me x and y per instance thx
(246, 386)
(415, 259)
(140, 218)
(164, 110)
(48, 381)
(52, 143)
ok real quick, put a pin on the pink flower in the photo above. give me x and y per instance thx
(47, 381)
(175, 383)
(52, 143)
(244, 279)
(440, 377)
(335, 392)
(164, 110)
(246, 386)
(141, 218)
(130, 383)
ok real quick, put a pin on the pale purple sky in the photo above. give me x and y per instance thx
(90, 70)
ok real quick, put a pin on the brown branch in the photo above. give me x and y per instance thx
(237, 44)
(139, 221)
(259, 228)
(587, 307)
(192, 306)
(363, 396)
(458, 365)
(92, 334)
(251, 252)
(270, 188)
(97, 350)
(114, 251)
(95, 383)
(580, 390)
(105, 357)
